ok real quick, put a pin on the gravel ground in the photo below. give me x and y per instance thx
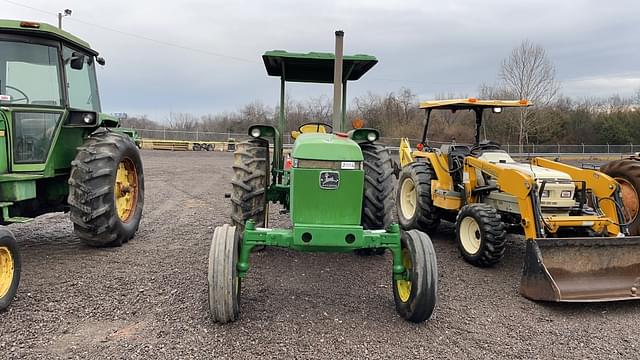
(148, 298)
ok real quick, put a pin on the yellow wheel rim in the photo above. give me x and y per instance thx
(404, 286)
(126, 189)
(408, 198)
(6, 271)
(470, 235)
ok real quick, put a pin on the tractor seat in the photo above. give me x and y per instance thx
(460, 150)
(309, 128)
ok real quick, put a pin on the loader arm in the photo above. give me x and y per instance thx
(509, 181)
(405, 152)
(602, 186)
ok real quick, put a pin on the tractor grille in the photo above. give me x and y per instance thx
(327, 164)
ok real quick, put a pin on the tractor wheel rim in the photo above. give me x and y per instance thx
(408, 197)
(126, 189)
(470, 235)
(629, 199)
(404, 286)
(6, 271)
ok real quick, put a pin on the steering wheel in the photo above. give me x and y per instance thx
(328, 128)
(485, 145)
(24, 95)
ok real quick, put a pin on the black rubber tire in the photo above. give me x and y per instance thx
(195, 147)
(209, 147)
(629, 170)
(378, 201)
(250, 182)
(491, 233)
(222, 279)
(8, 241)
(424, 278)
(91, 190)
(426, 216)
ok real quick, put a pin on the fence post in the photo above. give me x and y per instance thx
(607, 148)
(583, 148)
(534, 149)
(631, 148)
(558, 150)
(196, 134)
(164, 133)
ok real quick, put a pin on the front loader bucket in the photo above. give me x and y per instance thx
(582, 269)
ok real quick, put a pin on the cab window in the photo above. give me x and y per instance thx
(82, 86)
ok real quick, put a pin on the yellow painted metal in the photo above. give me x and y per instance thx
(6, 270)
(472, 103)
(405, 152)
(126, 189)
(408, 198)
(470, 235)
(602, 186)
(308, 128)
(404, 286)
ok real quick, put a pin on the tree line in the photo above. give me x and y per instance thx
(526, 73)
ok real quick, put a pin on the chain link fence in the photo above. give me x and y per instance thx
(196, 136)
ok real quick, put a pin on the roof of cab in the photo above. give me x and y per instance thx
(471, 103)
(315, 67)
(43, 30)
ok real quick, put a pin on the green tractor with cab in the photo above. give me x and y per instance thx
(338, 188)
(58, 152)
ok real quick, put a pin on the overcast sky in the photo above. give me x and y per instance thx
(204, 56)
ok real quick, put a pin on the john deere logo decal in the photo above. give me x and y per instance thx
(329, 179)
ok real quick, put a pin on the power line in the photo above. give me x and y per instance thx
(161, 42)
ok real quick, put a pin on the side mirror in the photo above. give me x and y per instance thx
(100, 60)
(77, 61)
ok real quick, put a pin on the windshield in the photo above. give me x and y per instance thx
(29, 74)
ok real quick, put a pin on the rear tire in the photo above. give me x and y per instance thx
(378, 202)
(416, 299)
(223, 281)
(481, 235)
(627, 173)
(106, 190)
(10, 268)
(250, 182)
(414, 203)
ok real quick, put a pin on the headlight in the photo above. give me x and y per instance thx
(565, 194)
(87, 118)
(545, 194)
(255, 132)
(372, 136)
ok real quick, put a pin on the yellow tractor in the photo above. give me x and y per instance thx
(578, 246)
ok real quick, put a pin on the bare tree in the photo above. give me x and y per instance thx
(528, 74)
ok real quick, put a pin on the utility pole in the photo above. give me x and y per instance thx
(67, 12)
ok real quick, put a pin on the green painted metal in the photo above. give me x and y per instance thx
(39, 184)
(45, 30)
(318, 146)
(323, 239)
(315, 67)
(311, 204)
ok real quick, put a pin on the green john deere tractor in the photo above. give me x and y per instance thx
(58, 152)
(337, 187)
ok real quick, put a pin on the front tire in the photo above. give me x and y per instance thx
(223, 281)
(416, 296)
(10, 268)
(414, 203)
(106, 190)
(250, 182)
(378, 201)
(481, 235)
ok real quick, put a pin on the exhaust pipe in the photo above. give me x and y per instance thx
(337, 83)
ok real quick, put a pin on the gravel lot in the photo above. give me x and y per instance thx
(148, 297)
